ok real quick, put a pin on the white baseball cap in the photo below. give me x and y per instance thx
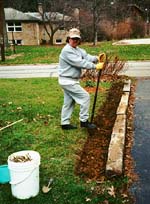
(74, 33)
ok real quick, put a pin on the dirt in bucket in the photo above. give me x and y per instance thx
(21, 158)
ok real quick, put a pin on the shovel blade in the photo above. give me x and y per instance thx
(45, 189)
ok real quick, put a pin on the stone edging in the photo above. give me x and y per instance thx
(114, 165)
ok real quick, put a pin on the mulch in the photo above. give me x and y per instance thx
(92, 158)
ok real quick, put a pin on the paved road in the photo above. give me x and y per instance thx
(28, 71)
(137, 69)
(132, 68)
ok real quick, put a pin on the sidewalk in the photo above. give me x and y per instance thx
(136, 69)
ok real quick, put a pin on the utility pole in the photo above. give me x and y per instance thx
(2, 44)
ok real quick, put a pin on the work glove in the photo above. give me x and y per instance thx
(102, 57)
(99, 65)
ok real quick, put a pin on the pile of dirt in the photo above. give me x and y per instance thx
(94, 154)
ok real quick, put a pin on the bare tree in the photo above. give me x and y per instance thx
(53, 20)
(96, 18)
(95, 9)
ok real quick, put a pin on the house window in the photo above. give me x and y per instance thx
(14, 27)
(58, 41)
(19, 42)
(16, 42)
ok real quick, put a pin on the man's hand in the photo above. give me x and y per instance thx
(99, 65)
(102, 57)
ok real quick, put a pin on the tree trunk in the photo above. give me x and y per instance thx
(51, 39)
(2, 45)
(94, 23)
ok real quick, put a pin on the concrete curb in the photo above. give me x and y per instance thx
(114, 165)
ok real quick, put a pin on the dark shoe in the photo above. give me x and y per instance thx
(88, 125)
(68, 127)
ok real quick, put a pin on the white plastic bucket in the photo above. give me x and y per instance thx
(24, 176)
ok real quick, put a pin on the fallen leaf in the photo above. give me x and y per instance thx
(87, 199)
(111, 191)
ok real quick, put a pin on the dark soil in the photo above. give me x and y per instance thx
(93, 157)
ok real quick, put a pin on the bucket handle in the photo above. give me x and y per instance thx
(15, 183)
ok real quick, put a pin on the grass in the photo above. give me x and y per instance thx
(48, 55)
(38, 102)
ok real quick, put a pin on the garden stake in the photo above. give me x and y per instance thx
(95, 97)
(11, 124)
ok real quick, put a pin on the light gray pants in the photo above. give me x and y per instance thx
(75, 93)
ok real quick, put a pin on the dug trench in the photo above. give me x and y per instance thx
(91, 162)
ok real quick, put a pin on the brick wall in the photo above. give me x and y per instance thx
(34, 34)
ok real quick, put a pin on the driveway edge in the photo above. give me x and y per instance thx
(114, 165)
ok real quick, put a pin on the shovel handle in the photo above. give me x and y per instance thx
(95, 98)
(50, 182)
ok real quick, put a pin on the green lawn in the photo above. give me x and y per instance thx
(50, 54)
(38, 102)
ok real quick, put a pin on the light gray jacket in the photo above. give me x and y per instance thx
(73, 60)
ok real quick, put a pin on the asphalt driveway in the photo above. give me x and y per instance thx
(141, 147)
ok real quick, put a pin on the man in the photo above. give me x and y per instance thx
(72, 60)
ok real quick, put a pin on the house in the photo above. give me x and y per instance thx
(28, 28)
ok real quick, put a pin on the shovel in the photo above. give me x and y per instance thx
(47, 188)
(95, 97)
(102, 58)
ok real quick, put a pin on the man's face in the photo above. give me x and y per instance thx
(74, 42)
